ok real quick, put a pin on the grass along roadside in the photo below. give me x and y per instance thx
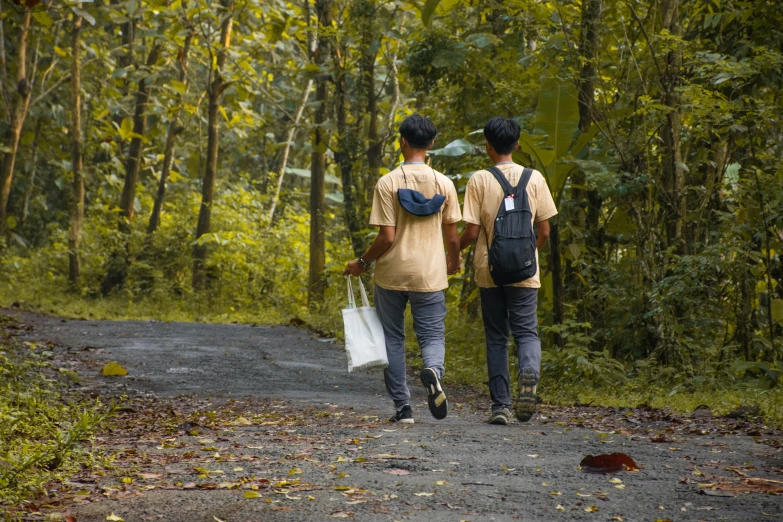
(45, 428)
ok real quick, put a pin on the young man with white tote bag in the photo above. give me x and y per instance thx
(414, 206)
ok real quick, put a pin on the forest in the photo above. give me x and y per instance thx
(215, 161)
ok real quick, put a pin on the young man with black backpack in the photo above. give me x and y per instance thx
(506, 210)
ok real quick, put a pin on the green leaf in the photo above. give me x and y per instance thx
(84, 14)
(126, 128)
(482, 40)
(455, 148)
(180, 87)
(777, 310)
(450, 57)
(428, 10)
(43, 18)
(557, 114)
(305, 173)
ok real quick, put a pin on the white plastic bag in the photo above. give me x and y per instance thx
(364, 339)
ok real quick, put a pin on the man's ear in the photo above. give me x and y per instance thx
(516, 146)
(489, 147)
(403, 142)
(432, 143)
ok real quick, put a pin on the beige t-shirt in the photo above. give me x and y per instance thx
(483, 197)
(416, 261)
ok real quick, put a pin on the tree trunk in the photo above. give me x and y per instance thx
(588, 49)
(77, 184)
(344, 155)
(673, 173)
(28, 192)
(287, 147)
(370, 45)
(175, 128)
(214, 90)
(316, 281)
(117, 270)
(22, 88)
(469, 286)
(557, 278)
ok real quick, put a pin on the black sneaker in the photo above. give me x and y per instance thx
(436, 399)
(527, 400)
(405, 415)
(500, 416)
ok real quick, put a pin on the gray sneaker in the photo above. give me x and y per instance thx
(500, 416)
(527, 400)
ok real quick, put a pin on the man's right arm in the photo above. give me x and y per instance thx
(469, 236)
(380, 245)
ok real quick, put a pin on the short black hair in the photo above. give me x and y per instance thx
(502, 133)
(418, 131)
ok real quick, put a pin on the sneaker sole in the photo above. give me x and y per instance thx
(499, 422)
(406, 421)
(526, 403)
(436, 399)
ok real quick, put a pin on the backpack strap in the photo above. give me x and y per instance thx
(521, 189)
(507, 188)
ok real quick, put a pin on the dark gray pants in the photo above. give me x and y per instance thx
(502, 309)
(429, 312)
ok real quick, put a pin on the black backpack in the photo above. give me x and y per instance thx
(512, 254)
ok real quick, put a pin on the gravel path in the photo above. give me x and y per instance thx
(306, 441)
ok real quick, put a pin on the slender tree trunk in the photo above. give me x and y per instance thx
(214, 91)
(344, 155)
(287, 147)
(175, 128)
(370, 45)
(77, 184)
(117, 270)
(316, 281)
(469, 287)
(22, 88)
(673, 173)
(557, 278)
(588, 50)
(28, 193)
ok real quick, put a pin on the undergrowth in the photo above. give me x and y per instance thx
(44, 431)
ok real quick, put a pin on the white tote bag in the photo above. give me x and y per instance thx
(364, 339)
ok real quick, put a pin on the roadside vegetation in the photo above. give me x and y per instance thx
(45, 428)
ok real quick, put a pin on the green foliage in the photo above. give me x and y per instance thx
(43, 437)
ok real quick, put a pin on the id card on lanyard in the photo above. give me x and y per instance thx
(509, 202)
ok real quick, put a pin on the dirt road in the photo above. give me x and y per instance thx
(242, 423)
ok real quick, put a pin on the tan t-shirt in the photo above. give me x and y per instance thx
(483, 197)
(416, 261)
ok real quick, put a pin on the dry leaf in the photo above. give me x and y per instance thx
(424, 494)
(443, 483)
(559, 507)
(114, 369)
(397, 471)
(608, 463)
(556, 493)
(115, 518)
(616, 481)
(591, 509)
(342, 514)
(251, 494)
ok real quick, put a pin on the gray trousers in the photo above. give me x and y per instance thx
(429, 312)
(502, 309)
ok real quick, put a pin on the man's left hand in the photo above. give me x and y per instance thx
(353, 268)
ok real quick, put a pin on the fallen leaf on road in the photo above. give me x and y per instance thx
(583, 495)
(737, 471)
(217, 519)
(506, 468)
(354, 502)
(559, 507)
(251, 494)
(617, 519)
(115, 518)
(342, 514)
(591, 509)
(70, 518)
(616, 481)
(424, 494)
(556, 493)
(114, 369)
(535, 456)
(241, 421)
(443, 483)
(608, 463)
